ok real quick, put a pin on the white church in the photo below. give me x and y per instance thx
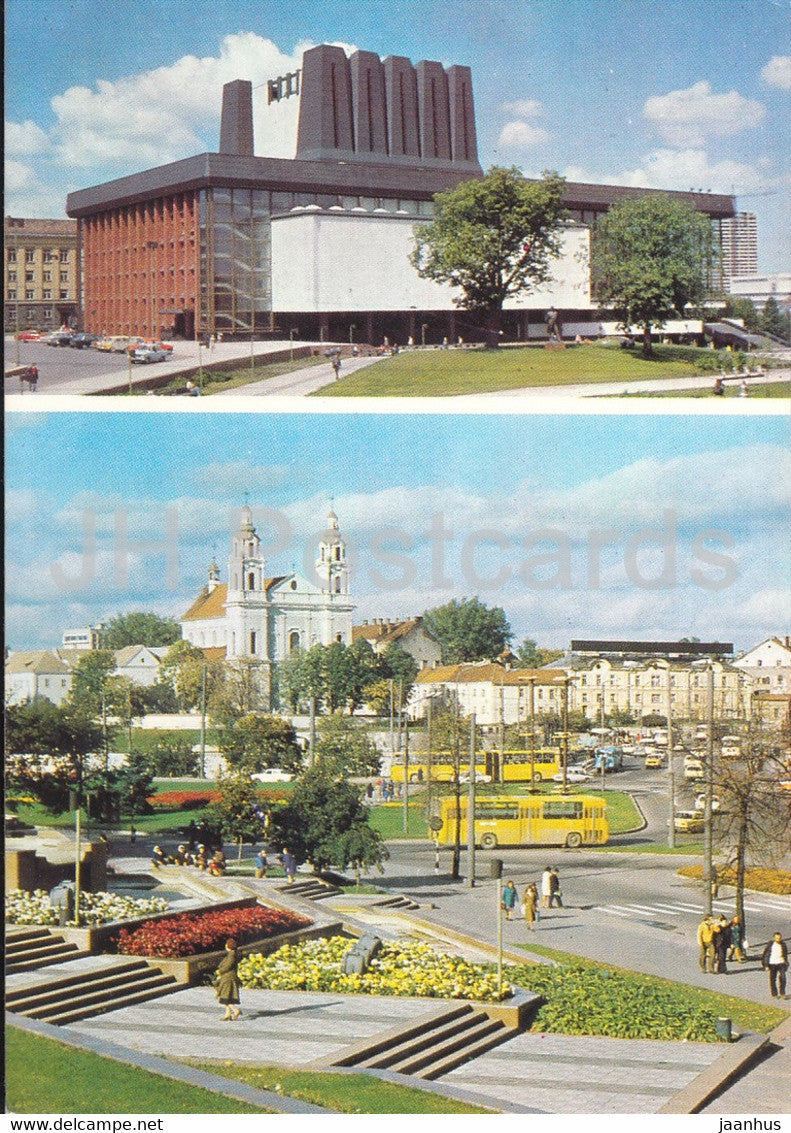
(260, 618)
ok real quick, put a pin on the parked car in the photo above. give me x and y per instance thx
(83, 340)
(700, 802)
(654, 760)
(149, 354)
(272, 775)
(688, 821)
(29, 335)
(59, 338)
(573, 775)
(693, 769)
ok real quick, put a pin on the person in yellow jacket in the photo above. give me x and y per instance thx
(706, 944)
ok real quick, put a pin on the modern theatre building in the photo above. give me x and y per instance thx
(317, 246)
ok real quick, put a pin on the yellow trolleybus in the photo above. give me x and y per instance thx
(535, 820)
(516, 767)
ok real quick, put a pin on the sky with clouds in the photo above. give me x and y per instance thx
(666, 94)
(579, 526)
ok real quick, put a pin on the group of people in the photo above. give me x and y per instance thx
(213, 863)
(286, 859)
(720, 940)
(531, 903)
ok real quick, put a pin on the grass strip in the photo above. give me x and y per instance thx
(762, 880)
(746, 1016)
(343, 1093)
(44, 1076)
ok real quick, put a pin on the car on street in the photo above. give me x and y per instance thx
(693, 769)
(688, 821)
(700, 802)
(272, 775)
(466, 778)
(29, 335)
(59, 338)
(654, 760)
(149, 354)
(573, 775)
(83, 340)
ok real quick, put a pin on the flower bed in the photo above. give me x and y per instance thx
(197, 798)
(189, 934)
(402, 968)
(35, 908)
(619, 1005)
(762, 880)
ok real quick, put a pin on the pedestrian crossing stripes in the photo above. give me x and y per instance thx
(768, 906)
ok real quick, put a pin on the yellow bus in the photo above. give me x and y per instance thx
(535, 820)
(516, 767)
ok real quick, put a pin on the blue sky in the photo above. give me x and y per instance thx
(520, 502)
(669, 93)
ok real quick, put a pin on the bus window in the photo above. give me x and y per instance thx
(562, 808)
(492, 811)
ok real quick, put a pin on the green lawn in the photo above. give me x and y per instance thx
(215, 381)
(146, 739)
(681, 847)
(757, 392)
(43, 1076)
(388, 819)
(746, 1016)
(343, 1093)
(439, 373)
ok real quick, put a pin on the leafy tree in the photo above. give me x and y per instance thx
(291, 679)
(134, 784)
(343, 749)
(172, 756)
(377, 697)
(771, 321)
(492, 238)
(255, 742)
(397, 665)
(468, 630)
(140, 628)
(744, 309)
(530, 656)
(236, 811)
(90, 682)
(158, 697)
(363, 667)
(325, 823)
(651, 256)
(185, 668)
(47, 746)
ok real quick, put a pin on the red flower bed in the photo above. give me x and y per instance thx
(189, 934)
(184, 800)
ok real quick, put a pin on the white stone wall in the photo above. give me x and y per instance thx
(327, 261)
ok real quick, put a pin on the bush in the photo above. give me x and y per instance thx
(189, 934)
(22, 907)
(619, 1005)
(400, 969)
(764, 880)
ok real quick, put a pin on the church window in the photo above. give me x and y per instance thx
(294, 584)
(251, 581)
(293, 640)
(337, 554)
(337, 586)
(252, 641)
(339, 637)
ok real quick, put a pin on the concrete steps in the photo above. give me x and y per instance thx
(434, 1047)
(398, 902)
(69, 998)
(34, 948)
(312, 889)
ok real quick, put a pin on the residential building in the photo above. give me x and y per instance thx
(139, 664)
(759, 288)
(36, 675)
(88, 637)
(232, 243)
(739, 244)
(410, 635)
(495, 694)
(767, 666)
(40, 274)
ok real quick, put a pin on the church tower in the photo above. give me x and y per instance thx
(212, 577)
(331, 566)
(247, 601)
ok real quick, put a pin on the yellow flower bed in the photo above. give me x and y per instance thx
(763, 880)
(403, 968)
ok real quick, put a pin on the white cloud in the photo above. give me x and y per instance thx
(680, 169)
(25, 138)
(521, 135)
(777, 72)
(686, 118)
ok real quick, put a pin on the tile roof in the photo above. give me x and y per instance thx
(487, 672)
(385, 632)
(213, 652)
(38, 661)
(208, 604)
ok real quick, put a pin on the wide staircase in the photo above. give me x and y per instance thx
(81, 986)
(434, 1047)
(312, 889)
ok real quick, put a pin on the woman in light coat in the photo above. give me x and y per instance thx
(227, 985)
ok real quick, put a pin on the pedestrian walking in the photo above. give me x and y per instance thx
(261, 864)
(546, 887)
(706, 944)
(530, 906)
(722, 942)
(132, 835)
(509, 899)
(158, 857)
(554, 888)
(289, 864)
(227, 985)
(336, 364)
(775, 961)
(735, 951)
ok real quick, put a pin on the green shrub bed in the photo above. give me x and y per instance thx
(591, 1001)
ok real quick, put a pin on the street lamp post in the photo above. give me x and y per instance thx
(671, 776)
(707, 840)
(471, 810)
(564, 740)
(532, 682)
(405, 722)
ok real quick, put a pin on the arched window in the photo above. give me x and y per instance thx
(339, 637)
(337, 554)
(337, 586)
(251, 581)
(293, 640)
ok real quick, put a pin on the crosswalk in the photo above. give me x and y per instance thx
(769, 907)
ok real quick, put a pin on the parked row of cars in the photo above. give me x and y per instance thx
(139, 349)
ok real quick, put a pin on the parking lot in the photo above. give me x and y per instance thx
(59, 365)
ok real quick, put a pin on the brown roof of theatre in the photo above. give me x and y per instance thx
(211, 604)
(386, 632)
(488, 672)
(418, 181)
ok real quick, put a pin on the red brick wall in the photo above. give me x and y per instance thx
(120, 270)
